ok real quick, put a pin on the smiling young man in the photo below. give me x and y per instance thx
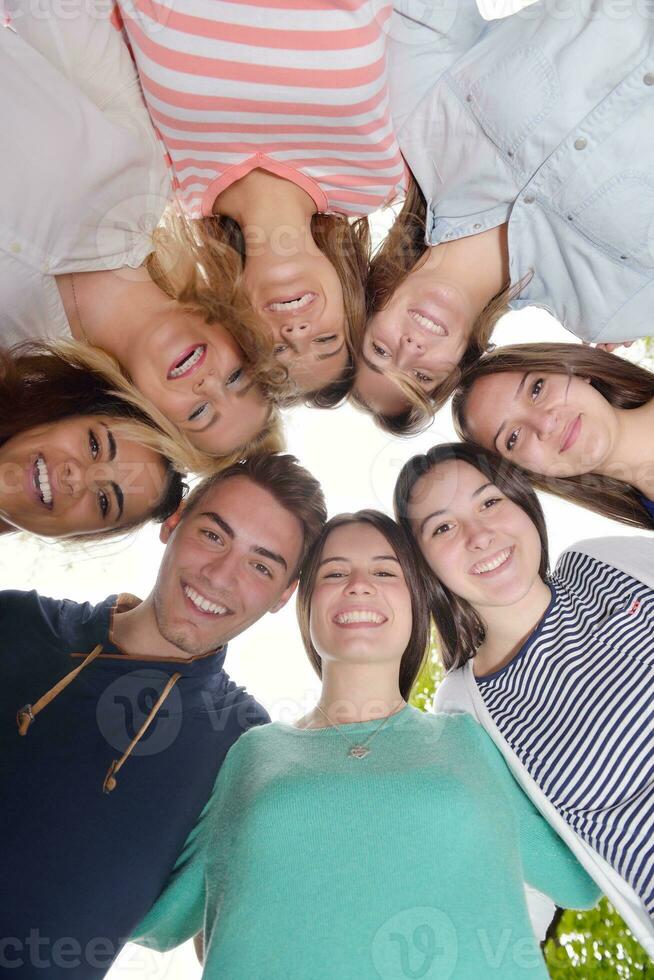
(115, 718)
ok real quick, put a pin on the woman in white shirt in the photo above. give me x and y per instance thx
(85, 183)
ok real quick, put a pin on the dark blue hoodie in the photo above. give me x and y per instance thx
(79, 866)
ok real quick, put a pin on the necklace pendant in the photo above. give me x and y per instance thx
(358, 751)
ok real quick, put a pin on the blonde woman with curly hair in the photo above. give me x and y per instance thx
(76, 255)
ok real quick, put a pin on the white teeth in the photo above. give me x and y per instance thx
(43, 481)
(188, 363)
(359, 616)
(427, 323)
(202, 603)
(292, 304)
(488, 566)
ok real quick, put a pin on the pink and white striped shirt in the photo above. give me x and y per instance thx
(295, 87)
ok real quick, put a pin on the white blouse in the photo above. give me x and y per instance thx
(84, 175)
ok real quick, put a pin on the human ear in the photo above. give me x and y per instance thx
(170, 524)
(285, 596)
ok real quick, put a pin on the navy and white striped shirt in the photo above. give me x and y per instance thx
(576, 704)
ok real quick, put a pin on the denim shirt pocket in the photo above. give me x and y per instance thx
(512, 97)
(618, 215)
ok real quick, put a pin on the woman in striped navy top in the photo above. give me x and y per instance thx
(557, 666)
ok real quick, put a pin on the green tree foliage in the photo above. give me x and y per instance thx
(592, 945)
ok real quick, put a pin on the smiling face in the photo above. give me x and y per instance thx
(553, 424)
(195, 373)
(361, 606)
(300, 301)
(480, 544)
(77, 476)
(226, 564)
(422, 332)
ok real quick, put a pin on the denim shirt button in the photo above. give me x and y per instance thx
(528, 199)
(476, 226)
(649, 78)
(581, 143)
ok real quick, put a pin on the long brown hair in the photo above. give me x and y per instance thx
(459, 626)
(398, 255)
(622, 383)
(200, 263)
(417, 649)
(43, 382)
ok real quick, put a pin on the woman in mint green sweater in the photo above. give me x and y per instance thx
(368, 839)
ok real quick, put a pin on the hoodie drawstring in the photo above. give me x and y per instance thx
(27, 714)
(110, 779)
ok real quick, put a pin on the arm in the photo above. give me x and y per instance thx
(85, 46)
(549, 865)
(426, 38)
(178, 913)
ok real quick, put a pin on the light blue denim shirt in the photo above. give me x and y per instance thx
(544, 119)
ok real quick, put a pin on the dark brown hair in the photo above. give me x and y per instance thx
(287, 481)
(417, 649)
(398, 255)
(622, 383)
(460, 627)
(39, 385)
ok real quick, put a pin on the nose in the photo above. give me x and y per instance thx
(545, 424)
(72, 477)
(220, 571)
(206, 384)
(359, 584)
(295, 329)
(480, 536)
(408, 352)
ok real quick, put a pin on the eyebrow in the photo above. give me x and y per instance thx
(120, 498)
(437, 513)
(221, 522)
(257, 549)
(517, 394)
(272, 555)
(373, 367)
(112, 442)
(323, 357)
(374, 558)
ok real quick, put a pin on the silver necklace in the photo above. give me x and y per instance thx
(360, 749)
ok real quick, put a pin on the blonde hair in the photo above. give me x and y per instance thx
(200, 263)
(402, 251)
(162, 435)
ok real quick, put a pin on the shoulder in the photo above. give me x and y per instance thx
(61, 623)
(632, 554)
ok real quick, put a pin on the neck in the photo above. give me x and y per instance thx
(355, 692)
(631, 455)
(508, 627)
(273, 213)
(487, 253)
(95, 302)
(136, 632)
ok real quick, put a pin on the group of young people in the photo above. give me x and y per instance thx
(185, 253)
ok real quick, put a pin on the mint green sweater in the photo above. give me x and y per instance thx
(307, 864)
